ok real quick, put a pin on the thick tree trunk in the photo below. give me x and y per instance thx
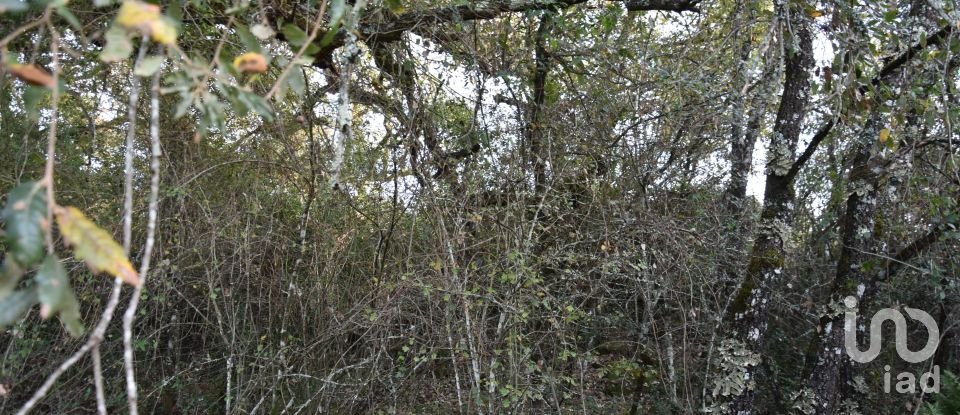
(740, 355)
(830, 378)
(749, 312)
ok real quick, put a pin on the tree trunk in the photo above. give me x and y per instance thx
(744, 129)
(830, 378)
(534, 128)
(749, 311)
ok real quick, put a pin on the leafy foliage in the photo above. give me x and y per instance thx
(13, 306)
(948, 401)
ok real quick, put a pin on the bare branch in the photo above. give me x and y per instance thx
(96, 337)
(130, 314)
(811, 148)
(915, 248)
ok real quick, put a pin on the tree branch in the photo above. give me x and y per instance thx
(390, 28)
(663, 5)
(914, 249)
(811, 148)
(933, 40)
(464, 152)
(153, 207)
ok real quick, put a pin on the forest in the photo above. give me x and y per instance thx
(479, 207)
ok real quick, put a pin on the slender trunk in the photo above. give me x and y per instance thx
(534, 128)
(741, 159)
(743, 133)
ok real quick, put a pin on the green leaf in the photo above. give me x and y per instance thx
(186, 101)
(297, 37)
(331, 34)
(10, 274)
(56, 295)
(175, 13)
(231, 93)
(245, 101)
(294, 35)
(26, 219)
(395, 6)
(118, 45)
(32, 97)
(890, 15)
(225, 65)
(148, 66)
(211, 114)
(248, 39)
(296, 80)
(337, 9)
(13, 307)
(67, 15)
(13, 6)
(256, 103)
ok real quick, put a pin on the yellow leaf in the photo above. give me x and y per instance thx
(146, 18)
(135, 14)
(814, 13)
(250, 62)
(163, 32)
(884, 135)
(95, 246)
